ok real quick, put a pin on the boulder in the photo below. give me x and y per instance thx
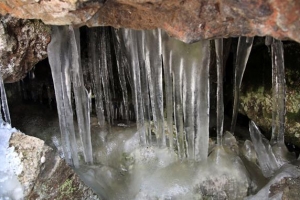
(45, 175)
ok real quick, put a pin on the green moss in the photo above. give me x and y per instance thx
(67, 189)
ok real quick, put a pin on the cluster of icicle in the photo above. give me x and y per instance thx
(153, 65)
(169, 84)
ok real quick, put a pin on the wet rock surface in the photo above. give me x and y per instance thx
(187, 20)
(22, 44)
(45, 175)
(289, 187)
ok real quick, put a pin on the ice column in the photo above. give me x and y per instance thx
(242, 55)
(220, 103)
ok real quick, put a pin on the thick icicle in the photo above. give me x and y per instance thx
(278, 90)
(220, 103)
(132, 49)
(59, 59)
(4, 103)
(121, 72)
(94, 48)
(189, 64)
(81, 97)
(104, 72)
(167, 63)
(265, 156)
(242, 55)
(202, 109)
(153, 64)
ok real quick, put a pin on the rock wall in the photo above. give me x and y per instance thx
(187, 20)
(22, 44)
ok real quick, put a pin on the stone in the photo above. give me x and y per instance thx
(23, 43)
(45, 175)
(289, 187)
(188, 21)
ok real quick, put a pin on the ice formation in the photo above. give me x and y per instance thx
(168, 154)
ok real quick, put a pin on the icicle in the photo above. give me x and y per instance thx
(145, 85)
(153, 64)
(242, 55)
(81, 97)
(167, 63)
(58, 53)
(202, 116)
(278, 90)
(104, 60)
(5, 108)
(95, 76)
(132, 49)
(122, 78)
(189, 64)
(220, 103)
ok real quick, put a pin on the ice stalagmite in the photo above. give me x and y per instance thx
(4, 103)
(59, 51)
(220, 104)
(242, 55)
(265, 156)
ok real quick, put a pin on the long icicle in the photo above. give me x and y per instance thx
(81, 97)
(278, 90)
(202, 117)
(220, 103)
(243, 52)
(59, 54)
(132, 49)
(153, 65)
(121, 72)
(167, 67)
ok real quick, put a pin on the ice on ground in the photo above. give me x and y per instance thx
(10, 187)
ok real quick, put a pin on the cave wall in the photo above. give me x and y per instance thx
(187, 20)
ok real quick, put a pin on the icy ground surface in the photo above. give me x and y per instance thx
(10, 167)
(125, 170)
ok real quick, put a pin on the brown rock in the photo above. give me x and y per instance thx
(45, 175)
(22, 44)
(188, 20)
